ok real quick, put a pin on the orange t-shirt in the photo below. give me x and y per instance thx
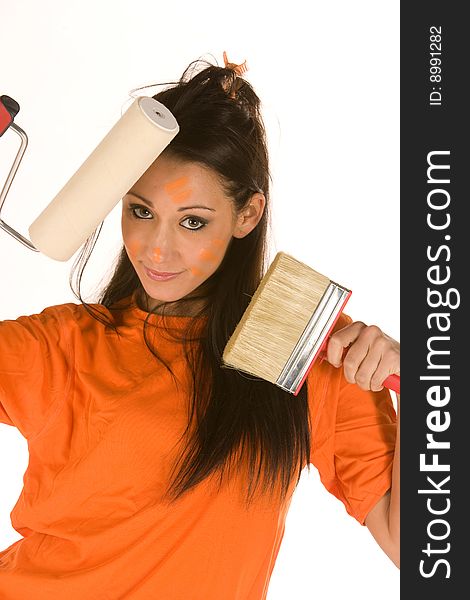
(101, 417)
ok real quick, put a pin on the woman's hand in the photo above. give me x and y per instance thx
(371, 355)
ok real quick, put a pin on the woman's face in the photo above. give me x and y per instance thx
(177, 219)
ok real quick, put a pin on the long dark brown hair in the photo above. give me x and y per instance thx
(221, 127)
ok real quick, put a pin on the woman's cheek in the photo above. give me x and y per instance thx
(208, 258)
(133, 248)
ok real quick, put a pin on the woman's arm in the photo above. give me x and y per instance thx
(383, 521)
(370, 358)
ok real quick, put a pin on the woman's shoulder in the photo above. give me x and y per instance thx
(67, 315)
(67, 311)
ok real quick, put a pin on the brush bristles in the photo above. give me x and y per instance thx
(273, 322)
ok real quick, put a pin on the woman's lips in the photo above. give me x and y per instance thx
(159, 275)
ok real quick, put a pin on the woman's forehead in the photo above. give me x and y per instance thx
(176, 178)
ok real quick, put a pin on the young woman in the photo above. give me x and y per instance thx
(154, 472)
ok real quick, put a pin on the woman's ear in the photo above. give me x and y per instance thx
(250, 216)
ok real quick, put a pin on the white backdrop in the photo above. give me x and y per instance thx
(327, 74)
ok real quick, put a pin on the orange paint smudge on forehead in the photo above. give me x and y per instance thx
(178, 189)
(172, 187)
(181, 196)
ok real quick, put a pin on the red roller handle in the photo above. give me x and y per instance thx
(393, 383)
(8, 110)
(5, 118)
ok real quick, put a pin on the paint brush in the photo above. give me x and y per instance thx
(286, 325)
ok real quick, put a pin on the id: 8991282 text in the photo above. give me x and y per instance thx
(435, 69)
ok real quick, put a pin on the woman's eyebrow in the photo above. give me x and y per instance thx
(148, 203)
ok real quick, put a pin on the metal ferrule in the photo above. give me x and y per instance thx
(313, 336)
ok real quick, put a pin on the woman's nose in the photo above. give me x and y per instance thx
(162, 235)
(162, 245)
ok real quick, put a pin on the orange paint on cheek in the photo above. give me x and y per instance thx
(133, 247)
(205, 254)
(216, 252)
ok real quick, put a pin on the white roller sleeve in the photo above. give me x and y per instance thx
(122, 157)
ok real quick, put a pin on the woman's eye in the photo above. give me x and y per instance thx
(134, 208)
(196, 220)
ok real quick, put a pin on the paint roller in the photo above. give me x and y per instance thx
(119, 160)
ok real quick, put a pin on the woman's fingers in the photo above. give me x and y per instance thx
(371, 355)
(340, 340)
